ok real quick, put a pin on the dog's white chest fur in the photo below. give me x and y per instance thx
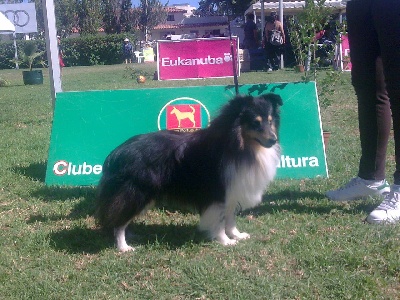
(249, 182)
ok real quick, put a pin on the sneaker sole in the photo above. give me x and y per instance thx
(379, 193)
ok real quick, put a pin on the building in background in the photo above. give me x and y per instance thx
(181, 23)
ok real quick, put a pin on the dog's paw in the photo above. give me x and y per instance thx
(223, 239)
(241, 236)
(226, 241)
(126, 248)
(230, 242)
(235, 234)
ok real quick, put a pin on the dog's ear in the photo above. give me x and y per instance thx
(241, 100)
(238, 103)
(273, 98)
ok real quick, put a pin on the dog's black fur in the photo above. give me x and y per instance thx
(217, 169)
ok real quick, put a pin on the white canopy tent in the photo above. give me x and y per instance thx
(287, 7)
(6, 26)
(290, 7)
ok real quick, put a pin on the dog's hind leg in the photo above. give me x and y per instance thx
(212, 221)
(119, 234)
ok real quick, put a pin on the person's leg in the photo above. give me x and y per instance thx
(373, 111)
(275, 58)
(386, 16)
(373, 106)
(383, 116)
(268, 54)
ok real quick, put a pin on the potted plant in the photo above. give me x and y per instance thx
(302, 32)
(298, 40)
(30, 54)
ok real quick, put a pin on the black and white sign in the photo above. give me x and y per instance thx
(22, 15)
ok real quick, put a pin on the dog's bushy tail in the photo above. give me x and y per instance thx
(118, 201)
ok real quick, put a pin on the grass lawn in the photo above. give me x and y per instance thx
(303, 246)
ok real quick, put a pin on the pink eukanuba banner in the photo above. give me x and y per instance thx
(199, 58)
(346, 53)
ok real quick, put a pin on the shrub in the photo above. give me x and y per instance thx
(94, 49)
(7, 52)
(86, 50)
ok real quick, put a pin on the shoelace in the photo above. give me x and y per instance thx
(391, 201)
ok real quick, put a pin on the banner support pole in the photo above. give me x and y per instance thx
(52, 49)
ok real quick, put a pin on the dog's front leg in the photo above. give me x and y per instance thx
(119, 234)
(212, 221)
(230, 225)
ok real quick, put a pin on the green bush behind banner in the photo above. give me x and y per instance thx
(86, 50)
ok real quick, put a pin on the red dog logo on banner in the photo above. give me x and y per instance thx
(183, 116)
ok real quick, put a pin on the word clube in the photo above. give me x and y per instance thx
(63, 167)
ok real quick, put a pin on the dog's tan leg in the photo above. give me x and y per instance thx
(119, 234)
(213, 222)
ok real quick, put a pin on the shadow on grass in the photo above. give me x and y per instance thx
(259, 89)
(173, 236)
(317, 204)
(80, 240)
(88, 240)
(35, 171)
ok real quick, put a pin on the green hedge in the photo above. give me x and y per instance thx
(7, 52)
(79, 51)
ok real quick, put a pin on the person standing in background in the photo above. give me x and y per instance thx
(127, 50)
(60, 54)
(273, 52)
(250, 40)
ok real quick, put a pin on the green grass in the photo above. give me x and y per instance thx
(302, 247)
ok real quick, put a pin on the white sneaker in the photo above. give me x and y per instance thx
(389, 210)
(359, 188)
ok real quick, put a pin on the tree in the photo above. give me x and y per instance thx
(66, 16)
(223, 7)
(11, 1)
(111, 19)
(39, 17)
(89, 16)
(150, 14)
(126, 18)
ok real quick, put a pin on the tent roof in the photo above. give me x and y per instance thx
(5, 25)
(291, 7)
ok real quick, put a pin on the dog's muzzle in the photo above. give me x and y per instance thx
(268, 143)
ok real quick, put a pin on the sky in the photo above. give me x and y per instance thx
(194, 3)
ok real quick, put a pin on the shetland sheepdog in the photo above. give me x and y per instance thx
(217, 170)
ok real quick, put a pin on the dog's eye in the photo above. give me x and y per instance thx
(256, 123)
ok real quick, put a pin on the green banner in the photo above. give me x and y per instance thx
(88, 125)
